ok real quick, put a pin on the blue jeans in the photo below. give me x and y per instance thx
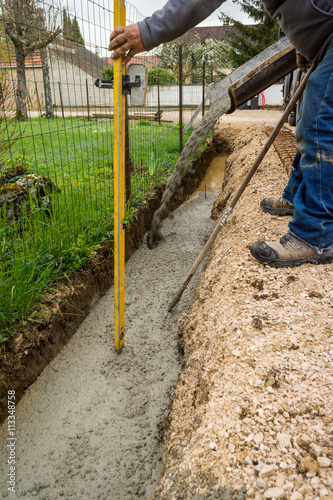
(310, 187)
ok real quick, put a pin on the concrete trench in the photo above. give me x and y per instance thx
(89, 426)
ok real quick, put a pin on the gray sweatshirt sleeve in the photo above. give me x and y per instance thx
(174, 19)
(307, 23)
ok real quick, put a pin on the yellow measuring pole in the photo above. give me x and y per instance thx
(119, 188)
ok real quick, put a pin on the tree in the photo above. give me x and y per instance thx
(71, 29)
(22, 18)
(3, 46)
(8, 135)
(66, 24)
(42, 23)
(76, 35)
(248, 40)
(193, 56)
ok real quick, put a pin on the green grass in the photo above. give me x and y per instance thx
(42, 247)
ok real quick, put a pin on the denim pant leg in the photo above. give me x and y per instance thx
(313, 200)
(294, 180)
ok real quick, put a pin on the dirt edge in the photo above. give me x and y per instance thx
(57, 317)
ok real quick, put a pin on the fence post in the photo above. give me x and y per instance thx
(203, 85)
(87, 100)
(119, 189)
(158, 99)
(62, 104)
(38, 101)
(128, 184)
(180, 77)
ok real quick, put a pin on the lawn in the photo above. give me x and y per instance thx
(77, 155)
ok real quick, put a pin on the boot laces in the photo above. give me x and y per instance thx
(285, 239)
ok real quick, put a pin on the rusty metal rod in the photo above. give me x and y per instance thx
(158, 98)
(88, 106)
(203, 85)
(128, 163)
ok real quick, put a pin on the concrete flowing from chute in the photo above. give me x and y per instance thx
(225, 96)
(184, 165)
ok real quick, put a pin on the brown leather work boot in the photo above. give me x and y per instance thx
(288, 252)
(277, 206)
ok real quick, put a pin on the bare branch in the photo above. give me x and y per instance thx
(38, 44)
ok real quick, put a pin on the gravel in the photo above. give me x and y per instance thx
(262, 395)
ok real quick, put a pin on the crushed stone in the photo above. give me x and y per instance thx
(253, 411)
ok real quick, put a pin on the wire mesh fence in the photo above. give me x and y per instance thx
(56, 142)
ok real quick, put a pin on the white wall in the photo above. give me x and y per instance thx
(169, 96)
(74, 91)
(35, 86)
(192, 95)
(74, 88)
(273, 96)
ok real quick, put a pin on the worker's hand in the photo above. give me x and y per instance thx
(126, 40)
(302, 62)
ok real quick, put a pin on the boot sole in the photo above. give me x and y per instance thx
(317, 259)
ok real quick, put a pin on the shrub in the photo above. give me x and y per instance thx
(107, 72)
(165, 77)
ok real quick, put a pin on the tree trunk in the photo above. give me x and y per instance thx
(21, 89)
(47, 85)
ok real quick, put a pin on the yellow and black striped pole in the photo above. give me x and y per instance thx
(119, 188)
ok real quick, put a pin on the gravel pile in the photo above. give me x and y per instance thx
(253, 412)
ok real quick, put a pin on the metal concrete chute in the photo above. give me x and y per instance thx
(261, 72)
(253, 77)
(256, 75)
(241, 85)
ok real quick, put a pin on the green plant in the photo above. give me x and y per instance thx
(129, 215)
(155, 161)
(144, 123)
(107, 72)
(78, 253)
(161, 76)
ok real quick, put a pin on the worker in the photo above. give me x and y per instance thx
(309, 194)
